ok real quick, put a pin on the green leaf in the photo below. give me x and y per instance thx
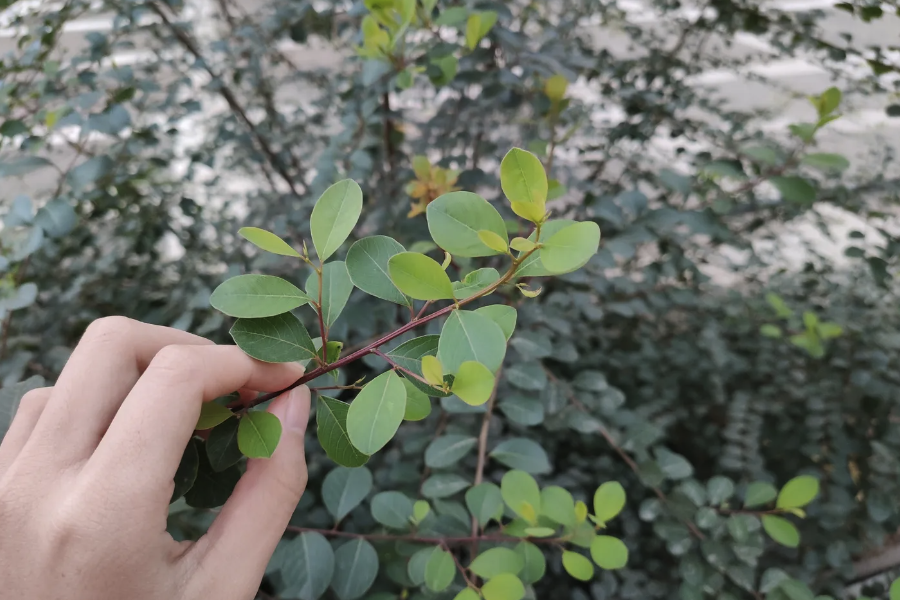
(609, 552)
(212, 414)
(558, 505)
(555, 87)
(418, 406)
(392, 509)
(523, 178)
(409, 355)
(485, 502)
(344, 489)
(420, 277)
(781, 530)
(331, 421)
(895, 590)
(222, 448)
(762, 154)
(268, 241)
(471, 336)
(794, 189)
(522, 454)
(759, 493)
(504, 316)
(503, 587)
(470, 594)
(532, 266)
(417, 563)
(336, 290)
(609, 500)
(211, 488)
(254, 296)
(334, 217)
(473, 383)
(719, 489)
(442, 485)
(475, 282)
(478, 26)
(355, 569)
(826, 162)
(522, 409)
(306, 564)
(519, 489)
(770, 331)
(278, 339)
(796, 590)
(56, 218)
(577, 566)
(452, 15)
(829, 100)
(367, 265)
(539, 532)
(571, 248)
(376, 413)
(432, 370)
(448, 449)
(186, 474)
(439, 570)
(533, 561)
(495, 561)
(455, 219)
(420, 510)
(258, 434)
(798, 492)
(493, 241)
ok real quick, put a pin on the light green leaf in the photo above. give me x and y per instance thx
(376, 413)
(392, 509)
(520, 244)
(470, 594)
(418, 406)
(268, 241)
(493, 241)
(794, 189)
(355, 569)
(442, 485)
(331, 420)
(523, 178)
(522, 454)
(336, 289)
(570, 248)
(609, 500)
(577, 566)
(334, 217)
(258, 434)
(759, 493)
(278, 339)
(503, 587)
(485, 502)
(432, 370)
(534, 563)
(421, 509)
(798, 492)
(455, 219)
(344, 489)
(448, 449)
(558, 505)
(609, 552)
(495, 561)
(502, 315)
(420, 277)
(409, 356)
(770, 331)
(222, 449)
(467, 336)
(826, 162)
(781, 530)
(439, 570)
(519, 489)
(367, 265)
(212, 414)
(306, 564)
(478, 26)
(532, 266)
(254, 296)
(539, 532)
(474, 383)
(895, 590)
(475, 282)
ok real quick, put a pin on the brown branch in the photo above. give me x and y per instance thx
(322, 329)
(482, 453)
(396, 366)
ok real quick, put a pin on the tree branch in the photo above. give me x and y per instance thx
(482, 453)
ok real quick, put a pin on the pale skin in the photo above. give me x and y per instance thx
(87, 466)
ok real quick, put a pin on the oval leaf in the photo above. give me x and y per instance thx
(558, 505)
(432, 370)
(494, 241)
(533, 561)
(473, 383)
(258, 434)
(503, 587)
(759, 493)
(474, 282)
(519, 489)
(336, 290)
(186, 474)
(278, 339)
(609, 552)
(798, 492)
(439, 570)
(609, 500)
(254, 296)
(794, 189)
(376, 413)
(455, 219)
(392, 509)
(409, 355)
(523, 178)
(268, 241)
(306, 564)
(577, 566)
(504, 316)
(781, 530)
(468, 335)
(532, 265)
(367, 265)
(448, 449)
(344, 489)
(420, 277)
(485, 502)
(334, 216)
(331, 421)
(418, 406)
(222, 445)
(491, 563)
(522, 454)
(355, 569)
(571, 248)
(212, 414)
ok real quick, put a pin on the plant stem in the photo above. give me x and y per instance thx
(322, 327)
(482, 454)
(405, 371)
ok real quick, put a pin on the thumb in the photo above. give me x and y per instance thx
(254, 518)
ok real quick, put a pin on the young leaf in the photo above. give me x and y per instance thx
(581, 511)
(356, 567)
(254, 296)
(523, 179)
(555, 87)
(258, 434)
(577, 566)
(495, 561)
(471, 336)
(392, 509)
(532, 266)
(376, 413)
(609, 552)
(222, 449)
(528, 293)
(331, 421)
(504, 586)
(212, 414)
(519, 489)
(485, 502)
(447, 260)
(268, 241)
(781, 530)
(420, 277)
(558, 505)
(533, 561)
(473, 383)
(409, 356)
(344, 489)
(211, 488)
(432, 370)
(798, 492)
(470, 594)
(439, 570)
(493, 241)
(504, 316)
(418, 406)
(367, 266)
(571, 248)
(759, 493)
(520, 244)
(455, 219)
(529, 211)
(336, 290)
(278, 339)
(522, 454)
(446, 450)
(475, 282)
(334, 217)
(609, 500)
(421, 509)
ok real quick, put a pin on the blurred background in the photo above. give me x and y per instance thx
(740, 320)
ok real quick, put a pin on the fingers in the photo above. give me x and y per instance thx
(256, 515)
(30, 409)
(106, 363)
(147, 437)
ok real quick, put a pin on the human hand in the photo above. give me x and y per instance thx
(87, 467)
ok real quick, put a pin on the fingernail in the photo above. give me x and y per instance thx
(297, 415)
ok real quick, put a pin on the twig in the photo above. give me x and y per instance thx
(462, 570)
(322, 329)
(482, 454)
(403, 370)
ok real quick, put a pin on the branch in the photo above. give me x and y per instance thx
(482, 453)
(404, 370)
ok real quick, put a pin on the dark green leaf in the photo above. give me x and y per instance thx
(522, 454)
(186, 473)
(344, 489)
(367, 265)
(222, 445)
(534, 563)
(211, 488)
(336, 289)
(278, 339)
(443, 485)
(331, 421)
(794, 189)
(306, 564)
(355, 569)
(392, 509)
(448, 449)
(759, 493)
(254, 296)
(485, 502)
(475, 282)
